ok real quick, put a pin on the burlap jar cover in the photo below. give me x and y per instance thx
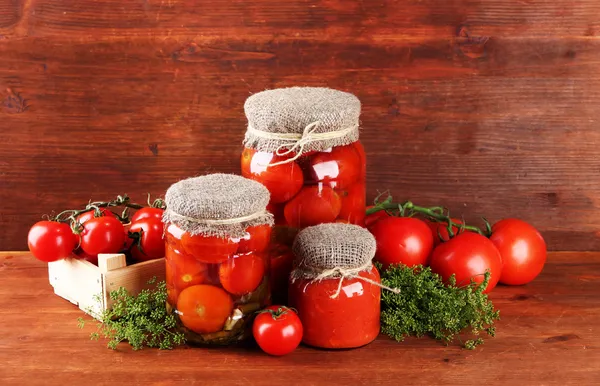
(291, 121)
(222, 205)
(334, 251)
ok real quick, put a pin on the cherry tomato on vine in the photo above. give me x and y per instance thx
(402, 240)
(146, 213)
(84, 217)
(79, 253)
(522, 248)
(468, 256)
(204, 308)
(150, 243)
(277, 330)
(283, 181)
(242, 274)
(102, 235)
(374, 217)
(51, 241)
(441, 229)
(313, 205)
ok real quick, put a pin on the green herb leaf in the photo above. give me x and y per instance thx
(427, 306)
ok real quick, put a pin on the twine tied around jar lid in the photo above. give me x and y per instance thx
(301, 119)
(334, 251)
(221, 205)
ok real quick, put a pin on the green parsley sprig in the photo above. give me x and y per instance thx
(427, 306)
(141, 320)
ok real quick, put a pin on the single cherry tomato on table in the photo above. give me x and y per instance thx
(338, 168)
(522, 248)
(277, 330)
(468, 256)
(51, 241)
(208, 249)
(146, 213)
(242, 274)
(204, 308)
(256, 240)
(402, 240)
(148, 235)
(283, 181)
(102, 235)
(313, 205)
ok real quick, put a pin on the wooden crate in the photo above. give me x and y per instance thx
(88, 286)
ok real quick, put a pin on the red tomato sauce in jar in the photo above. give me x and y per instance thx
(347, 321)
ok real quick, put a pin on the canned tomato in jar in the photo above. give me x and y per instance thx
(334, 286)
(217, 256)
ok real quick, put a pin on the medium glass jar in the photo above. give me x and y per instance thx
(349, 320)
(215, 283)
(334, 286)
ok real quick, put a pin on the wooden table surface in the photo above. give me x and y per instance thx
(548, 335)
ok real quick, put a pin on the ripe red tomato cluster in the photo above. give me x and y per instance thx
(316, 188)
(99, 232)
(514, 253)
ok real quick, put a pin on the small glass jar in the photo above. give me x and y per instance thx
(347, 321)
(216, 283)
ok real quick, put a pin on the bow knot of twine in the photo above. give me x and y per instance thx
(295, 142)
(343, 273)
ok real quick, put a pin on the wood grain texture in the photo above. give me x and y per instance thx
(488, 107)
(547, 335)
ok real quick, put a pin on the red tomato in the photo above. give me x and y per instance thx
(363, 157)
(79, 253)
(277, 330)
(313, 205)
(339, 168)
(208, 249)
(277, 211)
(102, 235)
(242, 274)
(151, 244)
(522, 248)
(51, 241)
(84, 217)
(281, 264)
(283, 181)
(204, 308)
(441, 228)
(257, 239)
(402, 240)
(353, 204)
(468, 255)
(184, 271)
(146, 213)
(172, 295)
(374, 217)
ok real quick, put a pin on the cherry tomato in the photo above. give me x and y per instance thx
(151, 244)
(313, 205)
(338, 168)
(402, 240)
(468, 255)
(374, 217)
(172, 295)
(363, 157)
(353, 203)
(79, 253)
(283, 181)
(257, 239)
(204, 308)
(208, 249)
(277, 330)
(277, 211)
(51, 241)
(184, 271)
(84, 217)
(147, 212)
(281, 264)
(522, 248)
(441, 228)
(242, 274)
(102, 235)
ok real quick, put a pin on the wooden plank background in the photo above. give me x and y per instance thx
(487, 106)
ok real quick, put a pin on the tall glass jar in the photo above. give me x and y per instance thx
(302, 144)
(217, 256)
(334, 286)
